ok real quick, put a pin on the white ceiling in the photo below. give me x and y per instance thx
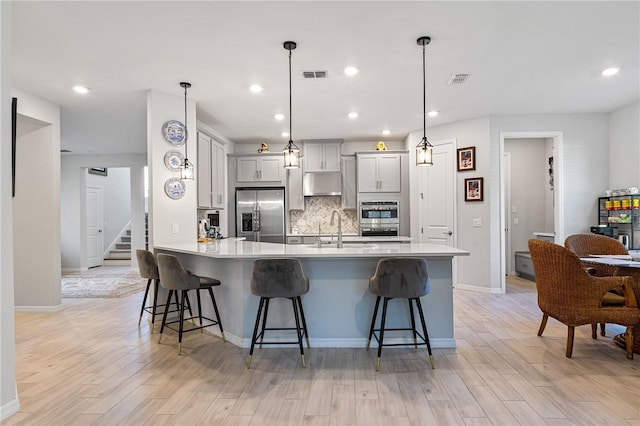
(523, 57)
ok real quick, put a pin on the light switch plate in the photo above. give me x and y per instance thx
(477, 222)
(175, 228)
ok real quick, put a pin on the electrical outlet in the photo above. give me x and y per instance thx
(514, 209)
(516, 221)
(477, 222)
(175, 228)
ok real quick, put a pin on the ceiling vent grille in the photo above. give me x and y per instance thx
(458, 78)
(314, 74)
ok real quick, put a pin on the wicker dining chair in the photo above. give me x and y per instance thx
(584, 245)
(569, 294)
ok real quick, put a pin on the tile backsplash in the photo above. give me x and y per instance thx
(318, 210)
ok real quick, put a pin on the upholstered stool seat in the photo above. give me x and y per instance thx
(175, 278)
(399, 278)
(282, 278)
(148, 268)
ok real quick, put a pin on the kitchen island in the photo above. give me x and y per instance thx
(338, 306)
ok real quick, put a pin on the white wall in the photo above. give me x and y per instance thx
(37, 192)
(9, 403)
(116, 194)
(529, 187)
(164, 212)
(73, 204)
(624, 143)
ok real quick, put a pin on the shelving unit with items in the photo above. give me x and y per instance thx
(622, 212)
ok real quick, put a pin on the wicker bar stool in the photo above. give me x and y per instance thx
(148, 268)
(400, 278)
(175, 278)
(279, 278)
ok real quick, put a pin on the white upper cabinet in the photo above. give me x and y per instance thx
(349, 182)
(260, 168)
(211, 172)
(379, 172)
(322, 156)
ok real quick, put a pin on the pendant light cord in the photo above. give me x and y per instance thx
(290, 108)
(424, 95)
(185, 122)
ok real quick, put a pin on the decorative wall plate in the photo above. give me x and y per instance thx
(175, 188)
(174, 132)
(173, 159)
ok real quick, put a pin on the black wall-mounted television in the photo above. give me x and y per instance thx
(14, 122)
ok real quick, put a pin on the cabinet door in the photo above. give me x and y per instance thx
(331, 157)
(349, 182)
(271, 169)
(204, 171)
(247, 169)
(367, 175)
(389, 173)
(313, 157)
(295, 199)
(218, 174)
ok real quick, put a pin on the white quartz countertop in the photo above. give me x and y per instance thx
(355, 238)
(234, 248)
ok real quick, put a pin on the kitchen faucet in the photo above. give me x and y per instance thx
(333, 215)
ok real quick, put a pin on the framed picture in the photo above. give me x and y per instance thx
(100, 171)
(473, 189)
(466, 159)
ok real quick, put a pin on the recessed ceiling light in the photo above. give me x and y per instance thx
(256, 88)
(386, 132)
(611, 71)
(285, 134)
(81, 89)
(351, 70)
(433, 113)
(352, 115)
(279, 117)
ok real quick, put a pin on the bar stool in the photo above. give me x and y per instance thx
(148, 268)
(399, 278)
(279, 278)
(175, 278)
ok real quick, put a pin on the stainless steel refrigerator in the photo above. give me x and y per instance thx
(260, 214)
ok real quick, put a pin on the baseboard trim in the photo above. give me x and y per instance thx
(9, 409)
(39, 309)
(492, 290)
(68, 270)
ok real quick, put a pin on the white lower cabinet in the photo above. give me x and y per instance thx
(211, 172)
(378, 172)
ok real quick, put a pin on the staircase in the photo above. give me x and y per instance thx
(121, 254)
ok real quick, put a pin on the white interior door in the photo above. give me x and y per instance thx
(507, 214)
(94, 226)
(438, 197)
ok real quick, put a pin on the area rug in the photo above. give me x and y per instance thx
(109, 285)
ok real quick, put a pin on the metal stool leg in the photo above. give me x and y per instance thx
(413, 324)
(199, 310)
(295, 314)
(304, 321)
(154, 310)
(424, 329)
(373, 321)
(384, 317)
(180, 328)
(255, 331)
(144, 300)
(164, 316)
(215, 308)
(264, 319)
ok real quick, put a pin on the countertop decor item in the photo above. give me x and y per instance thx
(175, 188)
(291, 151)
(186, 169)
(174, 132)
(424, 150)
(173, 159)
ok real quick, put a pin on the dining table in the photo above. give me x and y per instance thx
(627, 267)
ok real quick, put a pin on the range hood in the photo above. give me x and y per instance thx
(325, 183)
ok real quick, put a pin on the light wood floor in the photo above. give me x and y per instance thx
(91, 364)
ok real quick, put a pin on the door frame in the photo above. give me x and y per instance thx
(508, 213)
(558, 192)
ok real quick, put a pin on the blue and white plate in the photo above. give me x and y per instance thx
(175, 188)
(174, 132)
(173, 160)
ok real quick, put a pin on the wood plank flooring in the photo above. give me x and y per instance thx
(92, 364)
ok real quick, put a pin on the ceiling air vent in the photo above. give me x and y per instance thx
(314, 74)
(458, 78)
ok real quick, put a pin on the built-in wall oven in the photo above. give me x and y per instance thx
(379, 218)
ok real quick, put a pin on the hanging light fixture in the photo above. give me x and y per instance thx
(186, 169)
(291, 151)
(424, 150)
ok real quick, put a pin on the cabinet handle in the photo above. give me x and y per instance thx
(219, 198)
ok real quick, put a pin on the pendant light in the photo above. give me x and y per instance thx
(424, 150)
(291, 151)
(186, 169)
